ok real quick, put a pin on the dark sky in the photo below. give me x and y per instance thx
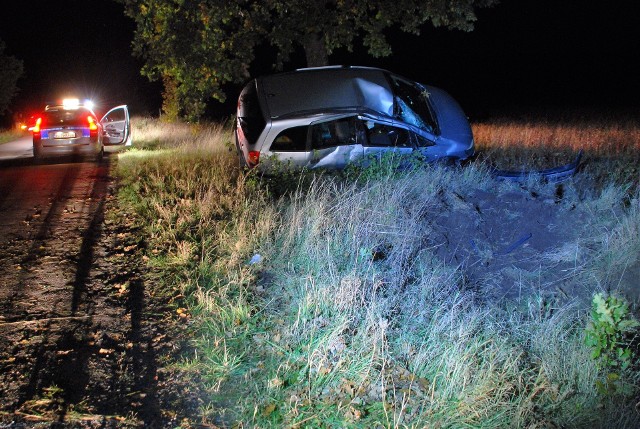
(76, 47)
(522, 54)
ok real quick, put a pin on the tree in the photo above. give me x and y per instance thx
(10, 71)
(199, 45)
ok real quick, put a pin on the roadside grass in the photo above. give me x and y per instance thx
(10, 135)
(320, 302)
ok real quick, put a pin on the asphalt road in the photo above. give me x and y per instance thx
(45, 209)
(75, 346)
(18, 149)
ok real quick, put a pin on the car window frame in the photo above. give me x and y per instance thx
(356, 133)
(367, 142)
(305, 148)
(432, 122)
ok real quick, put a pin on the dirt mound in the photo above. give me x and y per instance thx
(514, 242)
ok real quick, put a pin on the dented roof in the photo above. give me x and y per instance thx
(326, 89)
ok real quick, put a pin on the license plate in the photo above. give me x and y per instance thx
(64, 135)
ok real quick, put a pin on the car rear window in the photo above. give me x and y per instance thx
(66, 118)
(250, 117)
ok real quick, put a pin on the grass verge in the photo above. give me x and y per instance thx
(330, 305)
(11, 135)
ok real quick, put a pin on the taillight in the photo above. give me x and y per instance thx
(36, 127)
(92, 123)
(254, 158)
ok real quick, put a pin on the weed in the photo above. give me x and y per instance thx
(609, 334)
(384, 165)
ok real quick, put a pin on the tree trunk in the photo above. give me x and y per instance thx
(170, 101)
(315, 50)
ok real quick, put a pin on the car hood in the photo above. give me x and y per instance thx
(452, 121)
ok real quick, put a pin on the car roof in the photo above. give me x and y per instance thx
(334, 88)
(58, 107)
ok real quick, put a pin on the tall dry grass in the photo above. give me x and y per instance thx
(611, 145)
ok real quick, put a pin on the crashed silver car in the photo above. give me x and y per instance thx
(330, 117)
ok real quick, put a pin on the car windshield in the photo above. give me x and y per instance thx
(411, 105)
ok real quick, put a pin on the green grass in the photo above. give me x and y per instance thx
(11, 135)
(351, 319)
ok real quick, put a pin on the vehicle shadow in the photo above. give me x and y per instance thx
(98, 356)
(16, 162)
(31, 161)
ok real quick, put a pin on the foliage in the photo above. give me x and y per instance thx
(10, 71)
(170, 100)
(608, 332)
(201, 45)
(386, 164)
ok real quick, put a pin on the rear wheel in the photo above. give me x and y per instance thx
(37, 152)
(100, 155)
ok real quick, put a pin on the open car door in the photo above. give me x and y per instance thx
(116, 127)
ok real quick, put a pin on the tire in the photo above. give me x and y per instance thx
(100, 155)
(37, 153)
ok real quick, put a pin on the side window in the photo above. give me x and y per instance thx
(333, 133)
(291, 140)
(386, 135)
(116, 116)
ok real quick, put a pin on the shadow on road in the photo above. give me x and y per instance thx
(71, 343)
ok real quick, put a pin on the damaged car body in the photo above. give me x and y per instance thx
(331, 117)
(553, 175)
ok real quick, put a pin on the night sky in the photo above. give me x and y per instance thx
(76, 47)
(522, 55)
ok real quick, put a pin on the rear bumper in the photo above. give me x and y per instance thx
(50, 148)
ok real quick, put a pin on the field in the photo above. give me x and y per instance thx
(439, 297)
